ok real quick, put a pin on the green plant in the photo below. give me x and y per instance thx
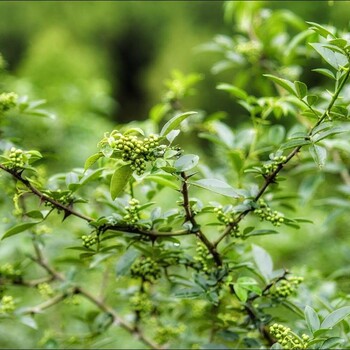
(160, 243)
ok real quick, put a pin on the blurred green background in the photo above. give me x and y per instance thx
(102, 63)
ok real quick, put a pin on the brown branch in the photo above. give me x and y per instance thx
(189, 216)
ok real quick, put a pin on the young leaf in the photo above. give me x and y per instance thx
(217, 186)
(312, 319)
(286, 84)
(119, 180)
(18, 229)
(301, 89)
(263, 261)
(335, 317)
(186, 162)
(320, 29)
(174, 122)
(241, 292)
(92, 159)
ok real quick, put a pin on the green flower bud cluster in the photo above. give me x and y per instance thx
(8, 270)
(227, 318)
(167, 333)
(17, 158)
(272, 165)
(89, 240)
(225, 218)
(8, 100)
(64, 197)
(141, 303)
(135, 150)
(132, 210)
(72, 300)
(146, 268)
(202, 258)
(266, 213)
(7, 304)
(287, 338)
(287, 287)
(45, 290)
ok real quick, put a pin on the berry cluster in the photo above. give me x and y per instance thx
(141, 303)
(146, 268)
(202, 258)
(8, 270)
(287, 338)
(287, 287)
(273, 164)
(7, 304)
(134, 150)
(266, 213)
(17, 158)
(64, 197)
(166, 333)
(8, 100)
(89, 241)
(45, 290)
(132, 210)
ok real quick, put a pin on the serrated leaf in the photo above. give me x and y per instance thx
(18, 229)
(119, 180)
(263, 261)
(312, 319)
(286, 84)
(335, 317)
(174, 122)
(217, 186)
(92, 159)
(319, 155)
(186, 162)
(301, 89)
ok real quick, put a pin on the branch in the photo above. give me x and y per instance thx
(270, 179)
(42, 196)
(195, 227)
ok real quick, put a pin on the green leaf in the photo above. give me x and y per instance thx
(119, 180)
(330, 132)
(263, 261)
(163, 181)
(319, 154)
(93, 175)
(301, 89)
(311, 99)
(335, 317)
(325, 72)
(134, 131)
(241, 292)
(295, 143)
(186, 162)
(286, 84)
(335, 59)
(125, 262)
(261, 233)
(320, 29)
(92, 159)
(28, 321)
(312, 319)
(174, 122)
(18, 229)
(330, 342)
(35, 214)
(217, 186)
(234, 90)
